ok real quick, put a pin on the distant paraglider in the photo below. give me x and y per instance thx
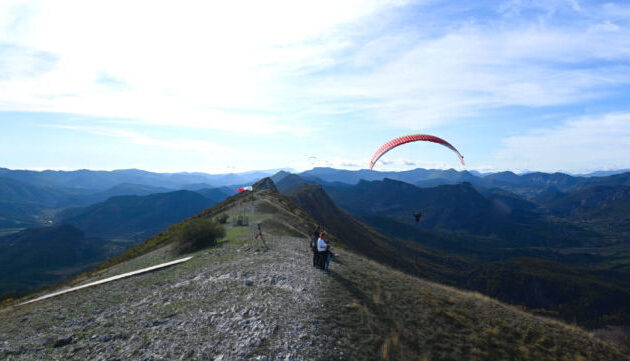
(408, 139)
(417, 215)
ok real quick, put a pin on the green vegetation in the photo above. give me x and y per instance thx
(135, 217)
(223, 218)
(199, 234)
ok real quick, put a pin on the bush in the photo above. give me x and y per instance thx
(199, 234)
(223, 218)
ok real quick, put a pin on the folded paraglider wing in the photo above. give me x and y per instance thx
(408, 139)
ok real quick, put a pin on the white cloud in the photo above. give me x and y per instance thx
(281, 66)
(132, 137)
(577, 145)
(189, 63)
(475, 68)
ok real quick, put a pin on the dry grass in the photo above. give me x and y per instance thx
(389, 315)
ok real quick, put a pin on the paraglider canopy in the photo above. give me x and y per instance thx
(408, 139)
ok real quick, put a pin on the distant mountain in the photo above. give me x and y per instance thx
(217, 194)
(549, 195)
(92, 181)
(291, 183)
(20, 192)
(596, 199)
(612, 180)
(22, 204)
(196, 186)
(535, 179)
(412, 176)
(459, 208)
(604, 173)
(602, 208)
(502, 178)
(509, 201)
(529, 185)
(39, 256)
(135, 217)
(15, 215)
(123, 189)
(278, 176)
(127, 189)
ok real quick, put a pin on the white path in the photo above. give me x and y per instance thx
(109, 279)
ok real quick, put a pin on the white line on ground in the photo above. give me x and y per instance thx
(105, 280)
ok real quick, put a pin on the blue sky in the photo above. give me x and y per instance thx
(204, 86)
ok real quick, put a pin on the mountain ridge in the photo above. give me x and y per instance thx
(240, 301)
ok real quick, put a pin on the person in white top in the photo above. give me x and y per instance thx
(324, 252)
(321, 244)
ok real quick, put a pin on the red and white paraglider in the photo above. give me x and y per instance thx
(408, 139)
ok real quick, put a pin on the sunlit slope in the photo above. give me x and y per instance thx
(393, 316)
(239, 301)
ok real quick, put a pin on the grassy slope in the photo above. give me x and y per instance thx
(394, 316)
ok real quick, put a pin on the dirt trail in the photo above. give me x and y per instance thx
(228, 303)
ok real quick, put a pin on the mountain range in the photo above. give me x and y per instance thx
(497, 243)
(247, 300)
(91, 180)
(553, 243)
(81, 237)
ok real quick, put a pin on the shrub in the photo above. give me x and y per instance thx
(198, 234)
(223, 218)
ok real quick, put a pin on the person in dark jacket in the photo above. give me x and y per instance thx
(314, 239)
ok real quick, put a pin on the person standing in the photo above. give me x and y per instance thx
(323, 251)
(314, 239)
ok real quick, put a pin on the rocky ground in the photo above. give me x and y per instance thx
(238, 301)
(228, 303)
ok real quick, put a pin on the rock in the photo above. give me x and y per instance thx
(105, 338)
(249, 282)
(45, 341)
(64, 341)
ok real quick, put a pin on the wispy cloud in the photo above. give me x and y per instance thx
(133, 137)
(294, 69)
(215, 66)
(473, 68)
(584, 144)
(215, 61)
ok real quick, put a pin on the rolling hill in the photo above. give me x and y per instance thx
(135, 217)
(38, 257)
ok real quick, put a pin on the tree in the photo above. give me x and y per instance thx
(198, 234)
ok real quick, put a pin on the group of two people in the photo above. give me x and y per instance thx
(321, 250)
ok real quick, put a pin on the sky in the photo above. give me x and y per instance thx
(242, 85)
